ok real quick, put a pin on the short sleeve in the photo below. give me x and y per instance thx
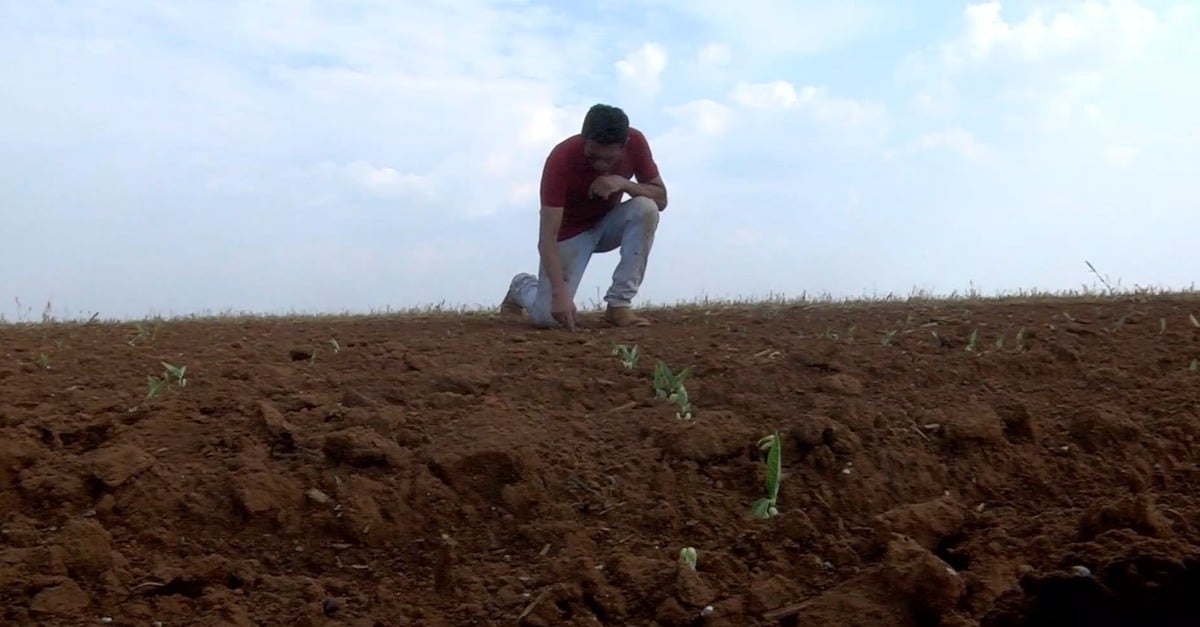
(644, 168)
(554, 179)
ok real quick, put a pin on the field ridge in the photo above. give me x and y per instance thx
(945, 462)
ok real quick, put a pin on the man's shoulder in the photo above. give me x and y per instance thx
(637, 141)
(567, 144)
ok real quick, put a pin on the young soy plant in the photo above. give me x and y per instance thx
(767, 506)
(670, 386)
(687, 556)
(157, 384)
(628, 355)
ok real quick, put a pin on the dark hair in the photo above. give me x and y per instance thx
(605, 124)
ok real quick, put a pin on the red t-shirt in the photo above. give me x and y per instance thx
(567, 176)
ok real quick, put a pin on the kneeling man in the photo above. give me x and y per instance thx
(583, 181)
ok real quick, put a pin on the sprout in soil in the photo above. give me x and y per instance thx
(670, 386)
(687, 555)
(157, 384)
(628, 355)
(767, 506)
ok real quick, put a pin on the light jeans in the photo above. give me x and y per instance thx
(630, 226)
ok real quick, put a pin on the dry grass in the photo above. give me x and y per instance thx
(1105, 292)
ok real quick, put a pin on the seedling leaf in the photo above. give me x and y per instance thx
(687, 555)
(767, 506)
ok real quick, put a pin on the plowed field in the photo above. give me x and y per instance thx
(956, 463)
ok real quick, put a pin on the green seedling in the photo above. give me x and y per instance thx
(336, 347)
(670, 386)
(1195, 365)
(1195, 322)
(666, 382)
(158, 384)
(628, 355)
(687, 555)
(887, 337)
(1162, 326)
(141, 333)
(767, 506)
(971, 340)
(685, 405)
(1021, 338)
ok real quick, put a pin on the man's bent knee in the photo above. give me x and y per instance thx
(643, 204)
(645, 212)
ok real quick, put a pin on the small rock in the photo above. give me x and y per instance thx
(274, 422)
(318, 497)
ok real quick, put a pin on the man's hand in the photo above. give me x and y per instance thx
(562, 308)
(607, 185)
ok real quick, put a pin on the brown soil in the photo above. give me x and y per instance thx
(475, 471)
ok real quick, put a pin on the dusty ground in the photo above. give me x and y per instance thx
(472, 471)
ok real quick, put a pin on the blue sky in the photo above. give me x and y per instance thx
(300, 156)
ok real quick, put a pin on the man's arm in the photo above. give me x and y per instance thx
(653, 189)
(551, 220)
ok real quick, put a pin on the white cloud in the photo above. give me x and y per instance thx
(387, 181)
(713, 56)
(769, 29)
(816, 101)
(776, 94)
(693, 139)
(1073, 74)
(1120, 155)
(843, 111)
(938, 98)
(705, 116)
(956, 140)
(545, 124)
(1118, 27)
(643, 67)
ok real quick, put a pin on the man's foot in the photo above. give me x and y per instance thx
(509, 306)
(624, 317)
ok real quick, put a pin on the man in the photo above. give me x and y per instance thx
(583, 180)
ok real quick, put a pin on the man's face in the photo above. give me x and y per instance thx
(602, 156)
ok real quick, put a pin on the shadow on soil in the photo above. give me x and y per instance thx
(1148, 591)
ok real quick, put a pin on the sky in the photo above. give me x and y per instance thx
(274, 157)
